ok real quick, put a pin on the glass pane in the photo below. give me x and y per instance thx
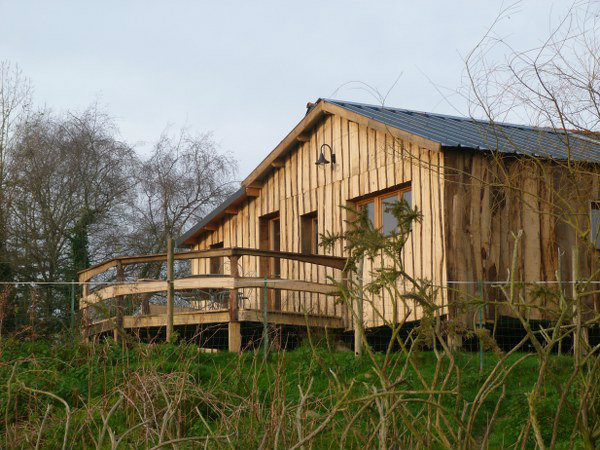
(389, 224)
(370, 207)
(596, 225)
(407, 196)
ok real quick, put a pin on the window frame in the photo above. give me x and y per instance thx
(309, 233)
(378, 198)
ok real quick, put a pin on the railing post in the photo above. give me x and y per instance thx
(234, 327)
(170, 289)
(265, 308)
(119, 304)
(85, 290)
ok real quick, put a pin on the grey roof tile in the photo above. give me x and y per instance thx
(452, 131)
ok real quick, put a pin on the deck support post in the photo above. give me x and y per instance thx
(170, 288)
(235, 337)
(118, 329)
(234, 328)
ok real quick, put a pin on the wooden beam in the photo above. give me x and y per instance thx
(101, 326)
(308, 121)
(234, 335)
(232, 210)
(215, 317)
(210, 227)
(252, 192)
(144, 287)
(209, 282)
(336, 262)
(120, 301)
(323, 108)
(277, 164)
(292, 318)
(286, 285)
(170, 288)
(187, 318)
(304, 137)
(233, 293)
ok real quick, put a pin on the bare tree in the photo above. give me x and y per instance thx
(67, 174)
(183, 179)
(15, 99)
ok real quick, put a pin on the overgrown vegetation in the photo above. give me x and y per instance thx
(150, 394)
(420, 393)
(73, 194)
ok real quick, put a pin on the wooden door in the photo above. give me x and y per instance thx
(270, 239)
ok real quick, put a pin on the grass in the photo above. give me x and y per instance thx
(233, 398)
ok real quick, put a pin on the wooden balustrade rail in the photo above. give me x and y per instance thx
(335, 262)
(233, 282)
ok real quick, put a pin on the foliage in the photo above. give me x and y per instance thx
(73, 194)
(238, 400)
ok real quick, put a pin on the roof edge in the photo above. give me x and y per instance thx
(313, 115)
(185, 239)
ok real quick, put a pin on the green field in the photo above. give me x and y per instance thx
(240, 402)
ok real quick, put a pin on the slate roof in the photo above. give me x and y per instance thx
(451, 131)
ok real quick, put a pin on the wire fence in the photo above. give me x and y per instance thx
(476, 316)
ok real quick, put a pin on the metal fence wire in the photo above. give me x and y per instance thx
(476, 316)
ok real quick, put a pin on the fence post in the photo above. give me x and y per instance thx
(118, 330)
(170, 288)
(265, 307)
(233, 327)
(83, 308)
(73, 310)
(359, 326)
(581, 332)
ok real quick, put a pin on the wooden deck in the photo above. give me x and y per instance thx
(230, 314)
(214, 317)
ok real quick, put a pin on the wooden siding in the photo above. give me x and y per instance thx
(488, 199)
(368, 160)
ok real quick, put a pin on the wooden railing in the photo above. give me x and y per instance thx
(335, 262)
(232, 282)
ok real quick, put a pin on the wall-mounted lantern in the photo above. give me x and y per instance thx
(322, 160)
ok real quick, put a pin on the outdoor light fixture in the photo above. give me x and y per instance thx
(322, 160)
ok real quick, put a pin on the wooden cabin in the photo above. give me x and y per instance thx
(476, 184)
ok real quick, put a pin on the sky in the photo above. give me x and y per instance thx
(244, 70)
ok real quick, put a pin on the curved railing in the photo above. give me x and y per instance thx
(231, 282)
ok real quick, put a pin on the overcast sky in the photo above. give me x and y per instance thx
(245, 70)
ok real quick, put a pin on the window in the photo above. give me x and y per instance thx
(376, 209)
(216, 262)
(595, 220)
(310, 233)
